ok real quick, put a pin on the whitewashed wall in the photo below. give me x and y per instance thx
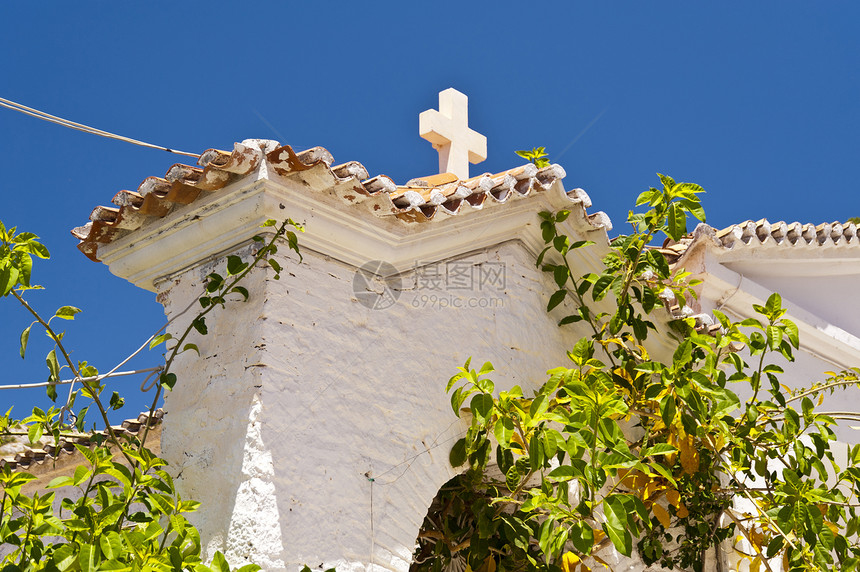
(304, 393)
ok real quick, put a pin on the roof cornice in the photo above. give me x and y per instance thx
(348, 219)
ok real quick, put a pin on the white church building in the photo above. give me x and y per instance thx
(314, 428)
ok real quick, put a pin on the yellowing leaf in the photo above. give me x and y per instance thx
(569, 561)
(661, 515)
(651, 488)
(683, 512)
(674, 497)
(689, 456)
(515, 439)
(489, 565)
(755, 565)
(601, 560)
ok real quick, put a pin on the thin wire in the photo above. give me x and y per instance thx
(408, 461)
(581, 133)
(67, 409)
(84, 128)
(68, 381)
(372, 536)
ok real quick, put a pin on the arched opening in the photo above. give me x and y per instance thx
(460, 530)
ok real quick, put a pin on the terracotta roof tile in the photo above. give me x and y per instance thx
(765, 234)
(51, 451)
(787, 234)
(419, 201)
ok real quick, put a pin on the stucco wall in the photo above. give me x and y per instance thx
(304, 394)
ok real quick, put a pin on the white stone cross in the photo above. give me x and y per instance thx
(448, 131)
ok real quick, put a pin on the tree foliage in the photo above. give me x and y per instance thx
(618, 448)
(119, 510)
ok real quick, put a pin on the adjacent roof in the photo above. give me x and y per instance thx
(420, 200)
(29, 458)
(788, 234)
(763, 234)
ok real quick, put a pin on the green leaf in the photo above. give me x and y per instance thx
(683, 354)
(808, 409)
(219, 563)
(235, 265)
(194, 347)
(116, 402)
(582, 351)
(111, 545)
(774, 337)
(792, 332)
(60, 481)
(67, 312)
(159, 339)
(199, 324)
(88, 454)
(658, 449)
(773, 304)
(8, 278)
(481, 406)
(560, 275)
(53, 365)
(88, 558)
(25, 336)
(541, 256)
(25, 268)
(601, 286)
(668, 410)
(616, 524)
(457, 456)
(64, 556)
(562, 473)
(556, 299)
(512, 478)
(486, 368)
(241, 290)
(658, 261)
(688, 190)
(775, 546)
(676, 222)
(694, 208)
(275, 266)
(168, 380)
(34, 432)
(161, 502)
(582, 536)
(668, 182)
(504, 430)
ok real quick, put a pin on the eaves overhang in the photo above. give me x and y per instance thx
(349, 219)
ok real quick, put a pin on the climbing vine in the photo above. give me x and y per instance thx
(622, 449)
(119, 510)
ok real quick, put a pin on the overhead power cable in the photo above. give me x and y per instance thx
(68, 381)
(84, 128)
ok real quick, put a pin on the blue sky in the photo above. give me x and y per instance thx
(757, 102)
